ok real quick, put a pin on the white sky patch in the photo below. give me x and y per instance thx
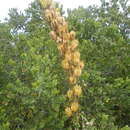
(76, 3)
(5, 5)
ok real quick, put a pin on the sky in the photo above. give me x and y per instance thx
(5, 5)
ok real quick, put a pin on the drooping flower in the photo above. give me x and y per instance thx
(70, 94)
(72, 35)
(61, 48)
(66, 36)
(77, 90)
(76, 54)
(76, 57)
(53, 35)
(74, 106)
(60, 19)
(68, 56)
(58, 40)
(48, 15)
(65, 64)
(74, 45)
(77, 72)
(68, 111)
(72, 79)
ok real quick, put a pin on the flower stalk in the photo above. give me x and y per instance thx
(68, 48)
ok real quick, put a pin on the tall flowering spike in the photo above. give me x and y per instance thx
(68, 48)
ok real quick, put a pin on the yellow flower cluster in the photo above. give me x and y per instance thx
(73, 108)
(67, 46)
(75, 91)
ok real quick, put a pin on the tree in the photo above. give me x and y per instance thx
(32, 81)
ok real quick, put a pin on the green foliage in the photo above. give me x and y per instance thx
(32, 81)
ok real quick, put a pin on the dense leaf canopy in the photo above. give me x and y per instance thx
(33, 84)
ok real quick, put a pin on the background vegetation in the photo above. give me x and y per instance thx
(33, 83)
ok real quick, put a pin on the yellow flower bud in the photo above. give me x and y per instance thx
(76, 54)
(59, 29)
(60, 19)
(47, 11)
(48, 14)
(65, 27)
(68, 111)
(66, 36)
(75, 106)
(68, 56)
(73, 45)
(76, 60)
(72, 79)
(72, 35)
(65, 64)
(53, 12)
(77, 72)
(77, 90)
(54, 23)
(70, 94)
(58, 40)
(53, 35)
(76, 57)
(57, 13)
(61, 48)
